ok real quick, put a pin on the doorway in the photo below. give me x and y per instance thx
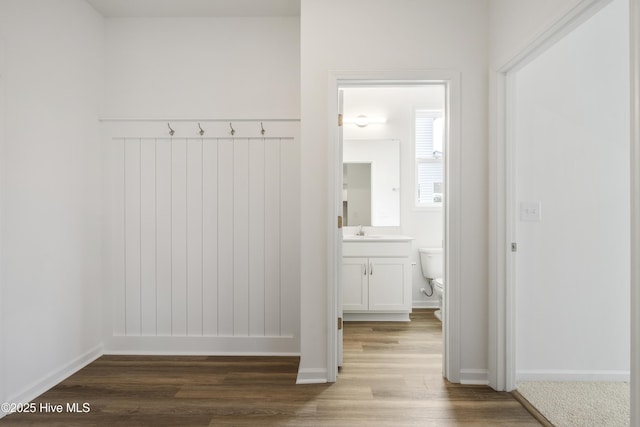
(541, 201)
(546, 122)
(440, 201)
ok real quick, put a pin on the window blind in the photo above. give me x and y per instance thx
(428, 159)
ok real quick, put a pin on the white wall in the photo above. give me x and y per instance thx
(405, 35)
(51, 192)
(397, 105)
(210, 228)
(203, 67)
(572, 136)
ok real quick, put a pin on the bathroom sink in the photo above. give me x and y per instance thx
(375, 237)
(368, 236)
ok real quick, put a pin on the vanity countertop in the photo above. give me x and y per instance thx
(376, 238)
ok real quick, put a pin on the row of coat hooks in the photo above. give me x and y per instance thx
(201, 131)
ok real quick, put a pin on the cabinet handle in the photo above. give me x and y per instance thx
(371, 269)
(365, 268)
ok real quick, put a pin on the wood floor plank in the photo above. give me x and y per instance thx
(392, 376)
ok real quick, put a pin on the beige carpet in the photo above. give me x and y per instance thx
(579, 404)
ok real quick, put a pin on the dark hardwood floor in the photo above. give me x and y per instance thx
(391, 377)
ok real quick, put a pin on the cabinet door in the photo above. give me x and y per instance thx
(355, 289)
(388, 284)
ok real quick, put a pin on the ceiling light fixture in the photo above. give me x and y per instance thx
(363, 121)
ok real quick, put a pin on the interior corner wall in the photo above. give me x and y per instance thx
(51, 192)
(572, 155)
(392, 35)
(516, 23)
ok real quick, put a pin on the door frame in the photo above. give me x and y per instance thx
(502, 330)
(634, 60)
(451, 207)
(3, 390)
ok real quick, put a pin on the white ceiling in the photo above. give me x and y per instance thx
(195, 8)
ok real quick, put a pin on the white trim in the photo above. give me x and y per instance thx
(497, 347)
(634, 26)
(568, 22)
(197, 353)
(425, 304)
(502, 232)
(511, 233)
(333, 160)
(572, 375)
(3, 346)
(209, 345)
(452, 233)
(312, 376)
(63, 372)
(474, 376)
(452, 211)
(192, 119)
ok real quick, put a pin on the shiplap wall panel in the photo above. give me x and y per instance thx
(256, 237)
(133, 309)
(226, 248)
(210, 237)
(163, 237)
(272, 237)
(290, 220)
(117, 240)
(179, 237)
(148, 243)
(205, 240)
(241, 237)
(194, 187)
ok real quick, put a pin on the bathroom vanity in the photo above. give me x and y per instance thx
(376, 278)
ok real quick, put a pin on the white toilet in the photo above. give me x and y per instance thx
(431, 263)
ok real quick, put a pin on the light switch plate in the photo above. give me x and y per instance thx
(530, 211)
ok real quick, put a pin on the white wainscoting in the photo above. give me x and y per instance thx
(203, 243)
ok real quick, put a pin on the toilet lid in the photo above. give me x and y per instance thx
(439, 281)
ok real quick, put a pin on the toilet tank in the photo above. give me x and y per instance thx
(431, 262)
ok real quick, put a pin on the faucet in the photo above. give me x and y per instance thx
(360, 231)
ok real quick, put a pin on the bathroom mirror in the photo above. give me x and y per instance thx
(371, 183)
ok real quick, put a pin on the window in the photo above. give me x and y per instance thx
(429, 133)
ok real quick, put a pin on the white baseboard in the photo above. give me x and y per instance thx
(572, 375)
(474, 376)
(198, 346)
(425, 304)
(312, 376)
(376, 317)
(63, 372)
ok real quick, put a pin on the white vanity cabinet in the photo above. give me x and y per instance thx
(376, 278)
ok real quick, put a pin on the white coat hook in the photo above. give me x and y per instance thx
(201, 130)
(262, 131)
(233, 131)
(171, 131)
